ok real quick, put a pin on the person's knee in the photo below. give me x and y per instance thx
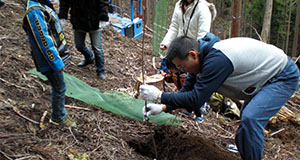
(248, 120)
(59, 91)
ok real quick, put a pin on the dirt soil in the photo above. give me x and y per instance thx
(100, 134)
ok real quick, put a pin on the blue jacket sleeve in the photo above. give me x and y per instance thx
(43, 39)
(216, 68)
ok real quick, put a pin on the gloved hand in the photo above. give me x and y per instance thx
(153, 109)
(150, 93)
(205, 108)
(63, 22)
(103, 24)
(163, 47)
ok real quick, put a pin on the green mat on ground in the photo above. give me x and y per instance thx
(117, 102)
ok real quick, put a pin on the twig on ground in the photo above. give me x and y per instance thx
(18, 112)
(94, 150)
(274, 133)
(43, 88)
(5, 81)
(13, 135)
(28, 157)
(4, 154)
(42, 119)
(73, 135)
(75, 107)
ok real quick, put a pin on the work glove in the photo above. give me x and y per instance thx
(103, 24)
(63, 22)
(205, 108)
(153, 109)
(150, 93)
(163, 47)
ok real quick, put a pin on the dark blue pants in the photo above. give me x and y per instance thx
(58, 95)
(263, 106)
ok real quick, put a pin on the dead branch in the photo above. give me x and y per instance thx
(274, 133)
(70, 129)
(43, 88)
(75, 107)
(21, 115)
(28, 157)
(13, 135)
(5, 155)
(149, 29)
(153, 62)
(5, 81)
(42, 119)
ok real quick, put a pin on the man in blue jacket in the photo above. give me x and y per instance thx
(87, 16)
(47, 43)
(239, 68)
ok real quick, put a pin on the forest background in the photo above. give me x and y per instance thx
(272, 21)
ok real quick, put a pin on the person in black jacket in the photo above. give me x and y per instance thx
(87, 17)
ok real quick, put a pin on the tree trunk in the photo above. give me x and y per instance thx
(296, 31)
(236, 22)
(265, 34)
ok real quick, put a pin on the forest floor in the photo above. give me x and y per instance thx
(101, 134)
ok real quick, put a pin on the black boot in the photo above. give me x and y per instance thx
(86, 62)
(101, 75)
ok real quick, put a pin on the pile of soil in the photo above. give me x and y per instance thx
(25, 98)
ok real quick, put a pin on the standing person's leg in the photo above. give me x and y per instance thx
(256, 114)
(59, 113)
(98, 51)
(79, 38)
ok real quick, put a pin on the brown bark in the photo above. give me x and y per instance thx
(265, 34)
(236, 22)
(296, 31)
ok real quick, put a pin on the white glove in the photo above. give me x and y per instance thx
(103, 24)
(153, 109)
(205, 108)
(150, 93)
(163, 47)
(63, 22)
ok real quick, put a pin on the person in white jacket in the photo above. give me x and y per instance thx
(191, 18)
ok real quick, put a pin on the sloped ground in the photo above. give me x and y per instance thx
(101, 134)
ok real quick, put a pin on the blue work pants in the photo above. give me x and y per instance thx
(264, 105)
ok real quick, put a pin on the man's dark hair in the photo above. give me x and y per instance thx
(181, 46)
(184, 3)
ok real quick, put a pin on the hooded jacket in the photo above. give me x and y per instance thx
(199, 25)
(85, 14)
(237, 68)
(45, 35)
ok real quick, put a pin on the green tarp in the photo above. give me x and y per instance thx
(117, 102)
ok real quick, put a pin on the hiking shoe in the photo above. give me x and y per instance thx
(101, 75)
(199, 119)
(232, 148)
(205, 109)
(67, 122)
(86, 62)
